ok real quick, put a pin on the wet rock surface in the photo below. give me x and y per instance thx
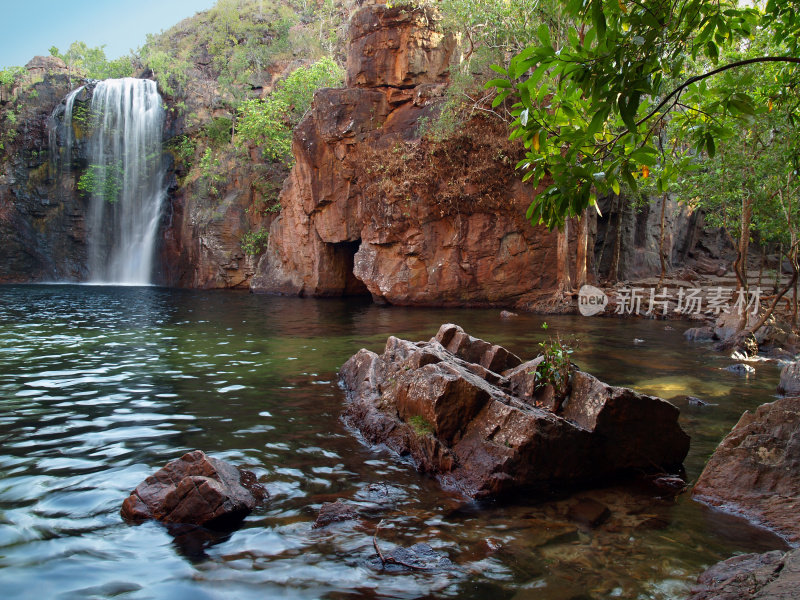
(195, 489)
(741, 369)
(334, 512)
(467, 412)
(419, 557)
(755, 471)
(42, 217)
(771, 576)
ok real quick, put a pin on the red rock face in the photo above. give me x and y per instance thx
(371, 208)
(397, 47)
(442, 403)
(755, 471)
(194, 489)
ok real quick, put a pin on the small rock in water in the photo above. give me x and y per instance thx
(741, 369)
(333, 512)
(507, 314)
(638, 341)
(669, 484)
(195, 489)
(695, 401)
(668, 328)
(420, 557)
(589, 512)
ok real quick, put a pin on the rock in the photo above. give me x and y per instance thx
(46, 65)
(397, 46)
(507, 314)
(588, 512)
(669, 485)
(743, 344)
(42, 217)
(371, 208)
(420, 556)
(770, 576)
(755, 471)
(333, 512)
(195, 489)
(741, 369)
(727, 326)
(790, 380)
(699, 334)
(479, 433)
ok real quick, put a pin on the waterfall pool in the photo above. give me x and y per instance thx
(100, 386)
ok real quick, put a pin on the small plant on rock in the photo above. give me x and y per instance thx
(556, 366)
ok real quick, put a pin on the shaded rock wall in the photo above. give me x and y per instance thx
(42, 218)
(370, 207)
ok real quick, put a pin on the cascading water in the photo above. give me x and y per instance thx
(63, 127)
(125, 175)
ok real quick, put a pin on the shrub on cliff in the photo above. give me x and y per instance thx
(268, 123)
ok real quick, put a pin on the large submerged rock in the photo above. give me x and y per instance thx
(755, 471)
(468, 412)
(195, 489)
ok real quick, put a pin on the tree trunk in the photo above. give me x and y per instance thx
(613, 272)
(611, 210)
(564, 280)
(740, 265)
(761, 266)
(661, 244)
(581, 255)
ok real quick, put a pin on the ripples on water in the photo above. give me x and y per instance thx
(99, 386)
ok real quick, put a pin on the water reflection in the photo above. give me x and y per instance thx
(100, 386)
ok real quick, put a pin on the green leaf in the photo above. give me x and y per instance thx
(598, 121)
(710, 146)
(712, 51)
(497, 83)
(599, 19)
(543, 33)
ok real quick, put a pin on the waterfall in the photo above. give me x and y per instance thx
(125, 177)
(64, 128)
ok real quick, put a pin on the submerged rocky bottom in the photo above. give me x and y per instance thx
(102, 386)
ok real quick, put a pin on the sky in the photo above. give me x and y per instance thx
(30, 27)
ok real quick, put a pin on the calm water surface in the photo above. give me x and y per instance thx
(100, 386)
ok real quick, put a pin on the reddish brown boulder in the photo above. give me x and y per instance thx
(461, 421)
(195, 489)
(755, 471)
(770, 576)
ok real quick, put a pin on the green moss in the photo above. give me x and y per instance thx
(421, 425)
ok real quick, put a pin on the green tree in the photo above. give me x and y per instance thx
(268, 123)
(591, 108)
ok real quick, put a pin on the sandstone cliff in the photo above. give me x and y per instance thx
(371, 208)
